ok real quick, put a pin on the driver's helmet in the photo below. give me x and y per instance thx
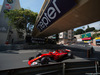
(54, 51)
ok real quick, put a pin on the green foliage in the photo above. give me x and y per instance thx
(95, 30)
(79, 31)
(20, 18)
(95, 35)
(81, 36)
(88, 26)
(90, 29)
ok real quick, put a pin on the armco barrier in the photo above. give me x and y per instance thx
(65, 68)
(80, 68)
(52, 68)
(87, 49)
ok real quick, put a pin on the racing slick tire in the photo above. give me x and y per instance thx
(45, 60)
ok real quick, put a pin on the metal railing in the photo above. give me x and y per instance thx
(65, 68)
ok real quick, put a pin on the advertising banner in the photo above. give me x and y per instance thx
(54, 10)
(86, 36)
(97, 42)
(97, 38)
(8, 6)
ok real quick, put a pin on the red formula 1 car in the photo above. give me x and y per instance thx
(46, 58)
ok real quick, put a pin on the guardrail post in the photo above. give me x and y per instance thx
(11, 72)
(92, 50)
(63, 68)
(96, 66)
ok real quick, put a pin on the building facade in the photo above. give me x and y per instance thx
(66, 37)
(0, 7)
(89, 39)
(7, 33)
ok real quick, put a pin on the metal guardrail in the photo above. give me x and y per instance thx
(65, 68)
(89, 50)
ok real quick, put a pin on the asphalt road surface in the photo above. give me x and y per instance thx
(11, 59)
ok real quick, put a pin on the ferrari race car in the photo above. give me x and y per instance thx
(51, 56)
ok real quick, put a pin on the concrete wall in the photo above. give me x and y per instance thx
(15, 36)
(3, 37)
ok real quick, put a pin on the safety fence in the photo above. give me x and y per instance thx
(65, 68)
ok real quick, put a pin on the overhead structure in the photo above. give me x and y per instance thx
(61, 15)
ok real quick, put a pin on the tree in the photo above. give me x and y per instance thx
(83, 28)
(79, 31)
(96, 35)
(19, 18)
(95, 30)
(90, 29)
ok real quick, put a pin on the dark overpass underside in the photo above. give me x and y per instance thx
(84, 12)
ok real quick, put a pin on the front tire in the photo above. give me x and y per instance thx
(45, 60)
